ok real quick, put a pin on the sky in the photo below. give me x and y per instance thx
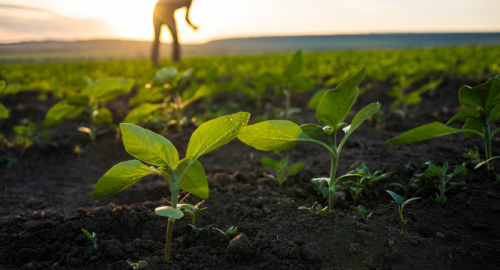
(32, 20)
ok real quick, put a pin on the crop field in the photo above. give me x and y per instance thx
(382, 159)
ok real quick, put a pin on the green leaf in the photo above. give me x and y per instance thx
(467, 113)
(423, 133)
(276, 135)
(142, 264)
(302, 84)
(312, 130)
(194, 179)
(4, 112)
(397, 184)
(165, 75)
(61, 111)
(347, 177)
(215, 133)
(316, 98)
(399, 200)
(89, 236)
(103, 116)
(204, 91)
(459, 170)
(269, 162)
(77, 99)
(283, 162)
(167, 211)
(295, 168)
(12, 89)
(108, 89)
(319, 180)
(410, 200)
(148, 146)
(472, 127)
(295, 67)
(120, 177)
(335, 104)
(484, 162)
(141, 112)
(361, 117)
(396, 92)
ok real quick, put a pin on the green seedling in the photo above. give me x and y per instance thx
(365, 214)
(401, 205)
(138, 265)
(280, 135)
(167, 96)
(481, 107)
(4, 112)
(27, 134)
(418, 171)
(320, 210)
(92, 237)
(403, 99)
(444, 183)
(472, 157)
(196, 229)
(192, 211)
(355, 191)
(367, 177)
(230, 232)
(282, 171)
(89, 101)
(186, 174)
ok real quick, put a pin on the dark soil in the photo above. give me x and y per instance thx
(45, 201)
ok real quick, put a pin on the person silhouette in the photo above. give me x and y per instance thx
(164, 14)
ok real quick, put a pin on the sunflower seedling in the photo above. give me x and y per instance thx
(365, 214)
(444, 183)
(138, 265)
(282, 171)
(192, 211)
(481, 107)
(401, 205)
(417, 170)
(186, 174)
(320, 210)
(92, 237)
(280, 135)
(367, 177)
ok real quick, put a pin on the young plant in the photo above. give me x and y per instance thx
(418, 171)
(280, 135)
(320, 210)
(401, 205)
(367, 177)
(481, 107)
(186, 174)
(282, 171)
(27, 134)
(365, 214)
(138, 265)
(444, 184)
(230, 232)
(90, 101)
(92, 237)
(192, 211)
(472, 157)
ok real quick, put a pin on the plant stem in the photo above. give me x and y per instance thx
(171, 221)
(333, 170)
(487, 145)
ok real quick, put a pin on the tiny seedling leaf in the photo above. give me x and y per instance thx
(399, 200)
(269, 162)
(167, 211)
(295, 168)
(89, 236)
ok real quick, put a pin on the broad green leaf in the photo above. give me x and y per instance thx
(276, 135)
(141, 112)
(312, 130)
(2, 86)
(77, 99)
(495, 113)
(167, 211)
(335, 104)
(103, 116)
(361, 117)
(473, 113)
(269, 162)
(108, 89)
(295, 168)
(61, 111)
(120, 177)
(295, 67)
(399, 200)
(206, 90)
(423, 133)
(472, 127)
(165, 75)
(89, 236)
(302, 84)
(4, 112)
(148, 146)
(194, 180)
(215, 133)
(316, 98)
(493, 100)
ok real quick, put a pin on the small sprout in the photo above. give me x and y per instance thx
(282, 171)
(138, 265)
(365, 214)
(401, 205)
(444, 179)
(230, 232)
(200, 229)
(78, 150)
(369, 178)
(191, 210)
(320, 210)
(92, 237)
(472, 157)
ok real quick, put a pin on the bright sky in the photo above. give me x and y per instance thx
(132, 19)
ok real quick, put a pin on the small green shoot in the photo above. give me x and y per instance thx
(418, 171)
(405, 99)
(401, 205)
(320, 210)
(365, 214)
(282, 171)
(230, 232)
(196, 229)
(444, 183)
(92, 237)
(138, 265)
(192, 211)
(472, 157)
(367, 177)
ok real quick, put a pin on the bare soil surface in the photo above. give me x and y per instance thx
(45, 201)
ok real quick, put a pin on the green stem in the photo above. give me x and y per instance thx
(93, 128)
(171, 221)
(333, 170)
(487, 144)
